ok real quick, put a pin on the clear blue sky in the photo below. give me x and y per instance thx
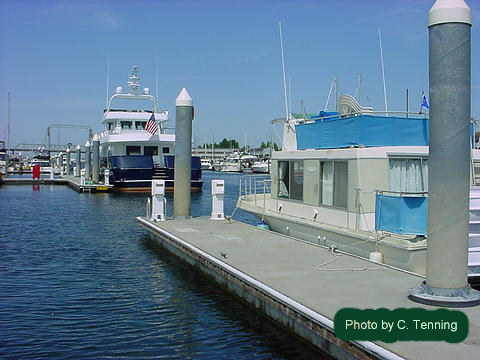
(53, 59)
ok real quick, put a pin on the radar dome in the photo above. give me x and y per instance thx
(146, 91)
(119, 90)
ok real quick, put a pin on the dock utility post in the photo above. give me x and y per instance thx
(449, 26)
(158, 200)
(82, 177)
(218, 190)
(106, 180)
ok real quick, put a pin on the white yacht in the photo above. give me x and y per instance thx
(206, 163)
(261, 166)
(233, 163)
(135, 145)
(357, 182)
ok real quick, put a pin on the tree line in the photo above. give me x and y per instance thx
(233, 144)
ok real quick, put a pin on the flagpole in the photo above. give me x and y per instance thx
(421, 102)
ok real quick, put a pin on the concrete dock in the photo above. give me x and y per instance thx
(301, 285)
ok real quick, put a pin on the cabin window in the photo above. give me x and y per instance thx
(150, 150)
(340, 189)
(133, 150)
(327, 183)
(296, 180)
(140, 125)
(290, 179)
(283, 179)
(408, 174)
(110, 126)
(333, 183)
(166, 150)
(126, 124)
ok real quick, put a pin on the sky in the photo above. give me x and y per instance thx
(54, 57)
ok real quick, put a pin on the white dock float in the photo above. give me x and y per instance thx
(278, 275)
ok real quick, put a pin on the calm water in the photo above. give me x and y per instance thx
(80, 279)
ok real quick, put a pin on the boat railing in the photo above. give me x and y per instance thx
(404, 114)
(258, 186)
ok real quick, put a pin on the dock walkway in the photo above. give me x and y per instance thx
(70, 180)
(281, 277)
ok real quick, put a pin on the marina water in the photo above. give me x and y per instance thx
(80, 279)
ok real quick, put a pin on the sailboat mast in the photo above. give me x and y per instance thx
(283, 69)
(383, 72)
(8, 125)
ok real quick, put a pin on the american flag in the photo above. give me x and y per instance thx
(151, 125)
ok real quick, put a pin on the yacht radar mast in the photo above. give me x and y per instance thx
(134, 81)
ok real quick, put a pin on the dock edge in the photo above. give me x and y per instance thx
(289, 314)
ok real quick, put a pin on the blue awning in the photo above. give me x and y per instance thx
(363, 130)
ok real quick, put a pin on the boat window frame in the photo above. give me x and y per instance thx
(140, 125)
(127, 152)
(292, 177)
(287, 178)
(320, 182)
(124, 124)
(420, 157)
(149, 147)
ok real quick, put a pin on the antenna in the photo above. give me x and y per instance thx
(334, 84)
(283, 69)
(156, 78)
(336, 92)
(357, 90)
(108, 77)
(383, 72)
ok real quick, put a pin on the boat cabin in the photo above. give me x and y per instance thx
(358, 172)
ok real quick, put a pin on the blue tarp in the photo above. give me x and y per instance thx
(362, 130)
(401, 215)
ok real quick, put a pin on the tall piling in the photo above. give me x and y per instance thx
(449, 24)
(183, 155)
(95, 159)
(87, 161)
(67, 161)
(78, 160)
(59, 160)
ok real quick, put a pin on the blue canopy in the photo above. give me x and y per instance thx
(362, 130)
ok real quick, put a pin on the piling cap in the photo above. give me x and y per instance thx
(87, 144)
(184, 99)
(449, 11)
(96, 138)
(78, 147)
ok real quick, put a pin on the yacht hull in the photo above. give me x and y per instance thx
(135, 173)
